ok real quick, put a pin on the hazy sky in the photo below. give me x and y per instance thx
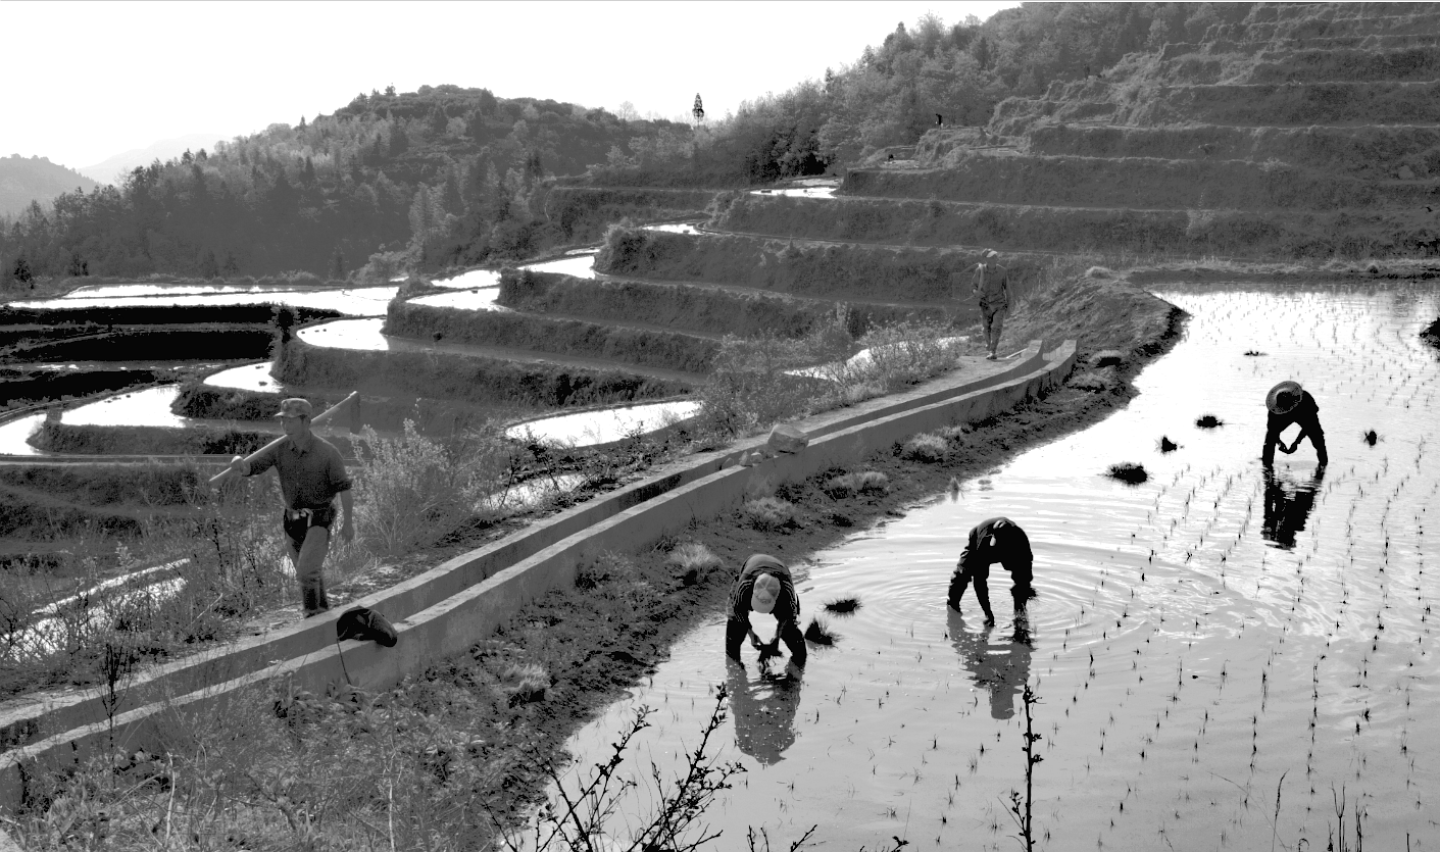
(87, 80)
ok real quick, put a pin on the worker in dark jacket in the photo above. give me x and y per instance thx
(765, 586)
(1289, 403)
(996, 540)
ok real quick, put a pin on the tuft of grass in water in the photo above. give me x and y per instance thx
(1167, 445)
(842, 606)
(1253, 353)
(1370, 437)
(819, 632)
(1128, 472)
(1208, 421)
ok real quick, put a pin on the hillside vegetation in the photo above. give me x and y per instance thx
(35, 180)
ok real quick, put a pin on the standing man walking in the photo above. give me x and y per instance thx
(992, 286)
(996, 540)
(311, 474)
(765, 586)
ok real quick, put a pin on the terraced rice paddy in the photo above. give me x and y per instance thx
(1220, 655)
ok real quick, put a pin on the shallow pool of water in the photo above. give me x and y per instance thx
(356, 301)
(603, 426)
(674, 228)
(1201, 644)
(799, 192)
(251, 377)
(473, 278)
(480, 299)
(578, 265)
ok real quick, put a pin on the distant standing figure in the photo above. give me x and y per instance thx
(311, 474)
(996, 540)
(992, 286)
(939, 120)
(1289, 403)
(764, 586)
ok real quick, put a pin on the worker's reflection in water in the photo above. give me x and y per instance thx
(1001, 667)
(764, 708)
(1288, 503)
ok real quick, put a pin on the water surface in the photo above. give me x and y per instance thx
(1201, 642)
(603, 426)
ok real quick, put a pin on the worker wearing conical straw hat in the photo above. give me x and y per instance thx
(1288, 403)
(765, 586)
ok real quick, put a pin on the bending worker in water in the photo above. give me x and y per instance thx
(1289, 403)
(992, 286)
(765, 586)
(996, 540)
(311, 474)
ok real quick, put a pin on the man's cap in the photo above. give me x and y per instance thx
(990, 253)
(1283, 397)
(765, 593)
(294, 407)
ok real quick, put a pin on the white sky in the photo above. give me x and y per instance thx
(88, 80)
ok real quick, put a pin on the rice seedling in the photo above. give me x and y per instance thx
(1208, 421)
(1128, 472)
(1167, 445)
(842, 606)
(819, 632)
(1369, 437)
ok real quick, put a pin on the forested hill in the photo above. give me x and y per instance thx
(458, 176)
(444, 169)
(27, 179)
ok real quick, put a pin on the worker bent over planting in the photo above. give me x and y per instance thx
(765, 586)
(996, 540)
(311, 475)
(1289, 403)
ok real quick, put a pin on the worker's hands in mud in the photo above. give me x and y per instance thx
(1287, 450)
(769, 650)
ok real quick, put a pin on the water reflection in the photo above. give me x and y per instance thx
(1288, 503)
(1002, 667)
(764, 709)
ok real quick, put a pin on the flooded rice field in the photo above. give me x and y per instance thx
(603, 426)
(1220, 655)
(478, 299)
(352, 301)
(250, 377)
(580, 264)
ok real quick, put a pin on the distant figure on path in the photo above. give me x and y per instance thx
(939, 120)
(992, 286)
(311, 474)
(1289, 403)
(765, 586)
(996, 540)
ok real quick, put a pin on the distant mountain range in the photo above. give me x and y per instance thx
(112, 169)
(26, 179)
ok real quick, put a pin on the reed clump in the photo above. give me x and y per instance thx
(1208, 421)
